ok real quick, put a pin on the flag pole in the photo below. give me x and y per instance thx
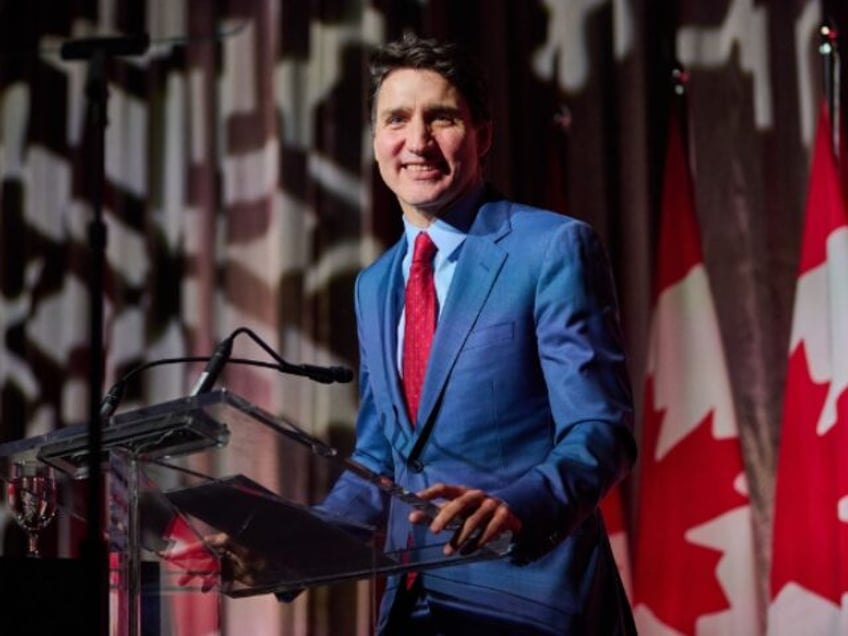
(829, 49)
(679, 86)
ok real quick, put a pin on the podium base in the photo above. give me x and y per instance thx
(44, 596)
(40, 597)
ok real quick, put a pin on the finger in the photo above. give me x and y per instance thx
(500, 522)
(417, 516)
(208, 583)
(438, 490)
(219, 540)
(425, 513)
(491, 519)
(190, 551)
(461, 506)
(472, 543)
(468, 536)
(207, 578)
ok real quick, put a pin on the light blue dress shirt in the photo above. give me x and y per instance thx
(448, 233)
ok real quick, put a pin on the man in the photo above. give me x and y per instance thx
(514, 414)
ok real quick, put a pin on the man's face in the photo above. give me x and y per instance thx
(426, 145)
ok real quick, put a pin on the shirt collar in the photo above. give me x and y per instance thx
(449, 230)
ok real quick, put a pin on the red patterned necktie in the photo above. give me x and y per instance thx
(420, 306)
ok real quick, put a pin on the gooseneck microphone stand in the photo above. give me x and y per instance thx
(97, 51)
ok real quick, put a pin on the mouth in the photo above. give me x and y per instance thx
(423, 170)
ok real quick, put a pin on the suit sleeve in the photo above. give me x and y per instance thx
(583, 363)
(352, 496)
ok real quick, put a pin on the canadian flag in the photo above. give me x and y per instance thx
(809, 573)
(694, 560)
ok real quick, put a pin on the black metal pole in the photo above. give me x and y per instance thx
(95, 547)
(97, 51)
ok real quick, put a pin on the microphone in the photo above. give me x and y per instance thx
(216, 364)
(325, 375)
(113, 398)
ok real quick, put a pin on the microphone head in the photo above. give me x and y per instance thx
(111, 400)
(342, 374)
(216, 364)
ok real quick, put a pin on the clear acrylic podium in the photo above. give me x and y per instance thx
(184, 471)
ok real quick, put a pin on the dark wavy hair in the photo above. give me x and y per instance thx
(445, 58)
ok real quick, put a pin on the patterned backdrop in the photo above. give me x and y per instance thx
(240, 191)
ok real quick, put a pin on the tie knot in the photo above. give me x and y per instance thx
(424, 249)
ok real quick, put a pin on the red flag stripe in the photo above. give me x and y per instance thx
(825, 207)
(680, 238)
(694, 565)
(809, 573)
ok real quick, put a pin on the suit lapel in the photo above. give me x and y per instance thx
(383, 302)
(394, 307)
(478, 268)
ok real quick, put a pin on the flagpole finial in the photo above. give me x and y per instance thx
(829, 49)
(829, 37)
(679, 79)
(829, 32)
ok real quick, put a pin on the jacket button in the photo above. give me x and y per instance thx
(415, 465)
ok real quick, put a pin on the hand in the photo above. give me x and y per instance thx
(197, 560)
(237, 563)
(485, 517)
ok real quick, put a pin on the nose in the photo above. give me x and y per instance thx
(418, 135)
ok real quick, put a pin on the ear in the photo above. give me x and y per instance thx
(484, 139)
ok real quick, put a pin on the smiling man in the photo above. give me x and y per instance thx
(492, 376)
(427, 143)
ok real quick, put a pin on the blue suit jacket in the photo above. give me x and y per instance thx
(526, 396)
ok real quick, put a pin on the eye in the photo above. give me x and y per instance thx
(394, 119)
(444, 117)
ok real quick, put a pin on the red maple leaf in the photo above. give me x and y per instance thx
(810, 542)
(689, 486)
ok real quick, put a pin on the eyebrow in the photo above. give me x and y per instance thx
(391, 112)
(453, 111)
(434, 111)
